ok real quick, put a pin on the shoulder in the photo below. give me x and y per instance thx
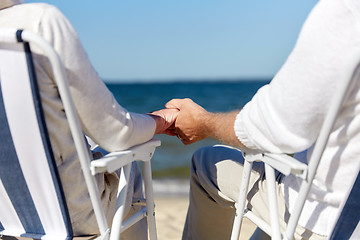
(44, 9)
(35, 8)
(40, 11)
(31, 15)
(52, 24)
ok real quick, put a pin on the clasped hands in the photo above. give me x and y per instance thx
(182, 118)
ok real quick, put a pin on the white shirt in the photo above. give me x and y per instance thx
(286, 115)
(102, 118)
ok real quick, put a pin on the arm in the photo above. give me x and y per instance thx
(286, 115)
(102, 118)
(194, 123)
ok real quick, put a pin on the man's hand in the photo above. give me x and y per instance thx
(164, 119)
(189, 126)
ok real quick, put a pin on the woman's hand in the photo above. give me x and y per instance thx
(164, 119)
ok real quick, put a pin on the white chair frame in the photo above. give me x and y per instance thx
(288, 165)
(108, 163)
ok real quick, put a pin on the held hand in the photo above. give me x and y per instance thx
(164, 119)
(194, 123)
(190, 124)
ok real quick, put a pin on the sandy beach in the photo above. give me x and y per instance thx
(171, 199)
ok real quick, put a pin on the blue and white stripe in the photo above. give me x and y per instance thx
(347, 226)
(32, 200)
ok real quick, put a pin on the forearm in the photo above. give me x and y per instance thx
(220, 126)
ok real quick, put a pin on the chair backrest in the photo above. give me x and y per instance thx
(32, 199)
(346, 224)
(348, 205)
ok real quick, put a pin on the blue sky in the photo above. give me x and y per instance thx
(162, 40)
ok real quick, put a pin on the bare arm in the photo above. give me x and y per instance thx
(194, 123)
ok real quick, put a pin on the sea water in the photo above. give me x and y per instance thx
(172, 158)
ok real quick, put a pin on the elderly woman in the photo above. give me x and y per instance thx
(106, 122)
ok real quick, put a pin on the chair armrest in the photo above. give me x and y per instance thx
(115, 160)
(281, 162)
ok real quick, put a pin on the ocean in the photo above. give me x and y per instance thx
(172, 158)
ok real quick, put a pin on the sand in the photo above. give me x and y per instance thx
(170, 219)
(171, 205)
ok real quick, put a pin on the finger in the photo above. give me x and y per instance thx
(169, 132)
(172, 127)
(172, 115)
(174, 103)
(180, 136)
(186, 142)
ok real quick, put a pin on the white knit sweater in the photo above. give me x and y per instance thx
(286, 115)
(102, 118)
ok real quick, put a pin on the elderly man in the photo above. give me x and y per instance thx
(283, 117)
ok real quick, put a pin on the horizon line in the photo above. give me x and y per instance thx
(187, 80)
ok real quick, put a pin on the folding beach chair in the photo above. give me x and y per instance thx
(347, 225)
(32, 202)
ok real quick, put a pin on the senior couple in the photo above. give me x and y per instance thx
(283, 116)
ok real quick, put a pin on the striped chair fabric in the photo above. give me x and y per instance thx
(32, 201)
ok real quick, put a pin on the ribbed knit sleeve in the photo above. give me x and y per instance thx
(102, 118)
(286, 115)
